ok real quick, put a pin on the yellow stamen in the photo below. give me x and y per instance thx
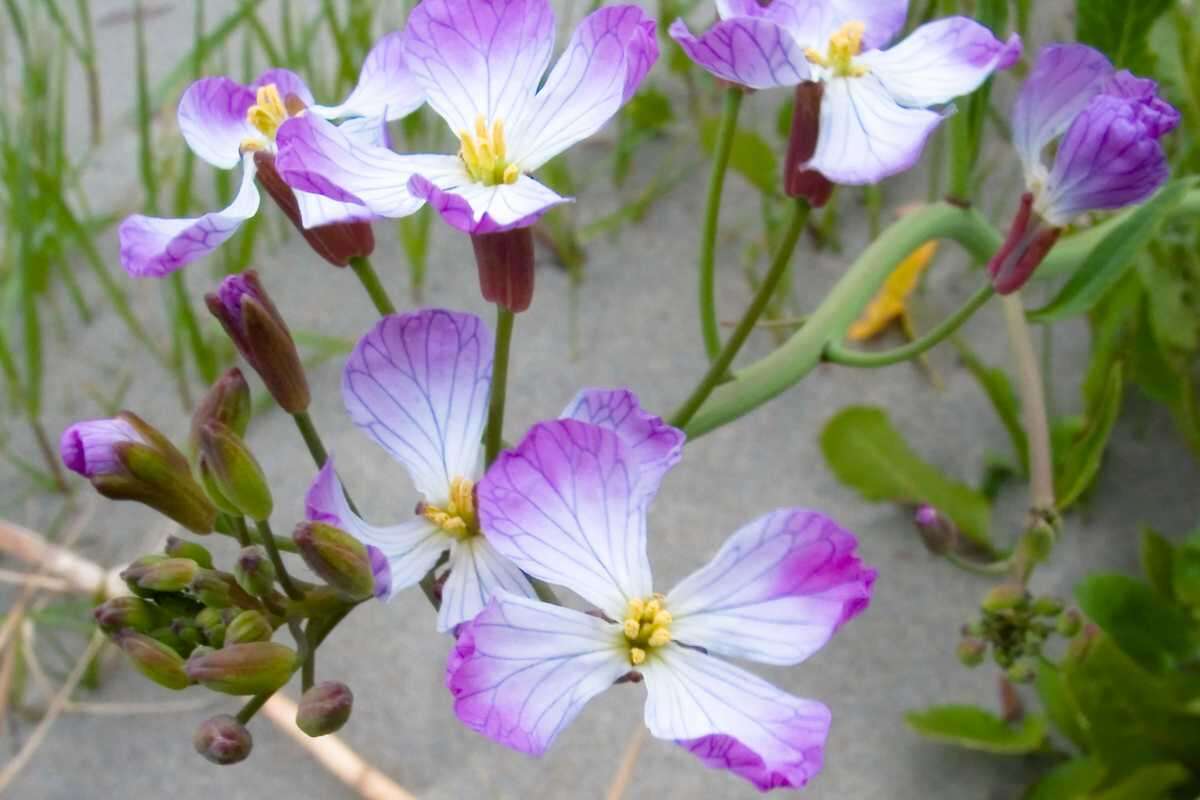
(637, 656)
(457, 518)
(631, 629)
(268, 111)
(660, 637)
(645, 627)
(844, 45)
(251, 145)
(485, 154)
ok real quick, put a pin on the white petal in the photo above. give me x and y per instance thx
(386, 86)
(212, 119)
(477, 573)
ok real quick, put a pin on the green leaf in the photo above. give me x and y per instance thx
(979, 729)
(1080, 464)
(999, 390)
(1059, 705)
(1113, 256)
(1185, 575)
(1069, 781)
(1154, 633)
(1120, 28)
(751, 156)
(1157, 555)
(1151, 782)
(868, 454)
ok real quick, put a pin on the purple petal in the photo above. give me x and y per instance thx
(1064, 80)
(734, 720)
(812, 22)
(1159, 116)
(776, 591)
(287, 82)
(607, 57)
(655, 445)
(474, 208)
(212, 119)
(563, 506)
(88, 447)
(152, 247)
(527, 669)
(386, 87)
(477, 573)
(1106, 160)
(865, 136)
(751, 52)
(883, 19)
(941, 61)
(400, 554)
(418, 385)
(479, 57)
(317, 210)
(318, 157)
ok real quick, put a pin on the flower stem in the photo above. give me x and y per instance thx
(285, 580)
(708, 242)
(847, 357)
(239, 529)
(494, 434)
(370, 281)
(312, 439)
(1033, 407)
(719, 368)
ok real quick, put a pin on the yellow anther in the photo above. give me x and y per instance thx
(268, 111)
(662, 618)
(632, 629)
(660, 637)
(652, 609)
(844, 45)
(645, 627)
(636, 606)
(485, 154)
(457, 518)
(637, 656)
(251, 145)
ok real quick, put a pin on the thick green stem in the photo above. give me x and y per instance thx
(312, 439)
(840, 354)
(709, 325)
(370, 281)
(494, 434)
(719, 368)
(239, 529)
(281, 573)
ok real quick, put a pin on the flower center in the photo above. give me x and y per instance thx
(268, 112)
(646, 627)
(485, 154)
(844, 45)
(457, 518)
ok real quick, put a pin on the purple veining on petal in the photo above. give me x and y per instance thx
(287, 82)
(725, 752)
(231, 290)
(477, 573)
(386, 86)
(473, 208)
(883, 19)
(751, 52)
(212, 119)
(380, 571)
(1157, 115)
(88, 447)
(464, 648)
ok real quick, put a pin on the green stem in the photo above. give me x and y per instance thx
(493, 436)
(281, 573)
(840, 354)
(370, 281)
(1033, 407)
(312, 439)
(708, 243)
(719, 368)
(991, 568)
(240, 530)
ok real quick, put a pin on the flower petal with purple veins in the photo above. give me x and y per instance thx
(692, 696)
(776, 592)
(883, 19)
(474, 208)
(751, 52)
(88, 447)
(479, 57)
(941, 61)
(408, 550)
(477, 573)
(563, 506)
(1159, 116)
(865, 135)
(418, 385)
(809, 22)
(1064, 80)
(317, 210)
(609, 54)
(530, 670)
(386, 86)
(656, 446)
(152, 247)
(212, 119)
(287, 82)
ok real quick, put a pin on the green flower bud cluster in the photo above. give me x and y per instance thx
(1015, 626)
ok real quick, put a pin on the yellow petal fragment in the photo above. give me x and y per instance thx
(892, 301)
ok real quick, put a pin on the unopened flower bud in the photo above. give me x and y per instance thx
(139, 567)
(228, 462)
(227, 402)
(1069, 623)
(223, 740)
(340, 559)
(258, 331)
(182, 548)
(1004, 597)
(248, 626)
(1047, 606)
(210, 588)
(243, 669)
(1023, 670)
(212, 624)
(505, 262)
(798, 179)
(125, 612)
(1038, 542)
(168, 575)
(153, 659)
(254, 571)
(1079, 647)
(127, 459)
(937, 532)
(324, 708)
(971, 652)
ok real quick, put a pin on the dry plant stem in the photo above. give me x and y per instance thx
(1033, 406)
(30, 547)
(624, 773)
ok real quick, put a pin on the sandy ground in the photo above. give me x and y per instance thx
(635, 325)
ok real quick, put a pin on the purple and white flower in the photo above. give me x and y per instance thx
(568, 505)
(89, 448)
(1107, 125)
(418, 384)
(876, 112)
(481, 64)
(227, 123)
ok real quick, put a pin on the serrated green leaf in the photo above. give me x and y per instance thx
(751, 156)
(867, 453)
(1157, 555)
(979, 729)
(1069, 781)
(1151, 782)
(1151, 631)
(1080, 464)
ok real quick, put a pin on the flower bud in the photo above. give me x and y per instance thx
(1004, 597)
(1079, 647)
(153, 659)
(798, 180)
(139, 567)
(258, 331)
(212, 589)
(324, 708)
(229, 464)
(505, 262)
(243, 669)
(223, 740)
(1047, 606)
(182, 548)
(126, 459)
(340, 559)
(1069, 623)
(125, 612)
(254, 571)
(971, 652)
(227, 402)
(1038, 542)
(1023, 671)
(248, 626)
(212, 622)
(168, 575)
(938, 533)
